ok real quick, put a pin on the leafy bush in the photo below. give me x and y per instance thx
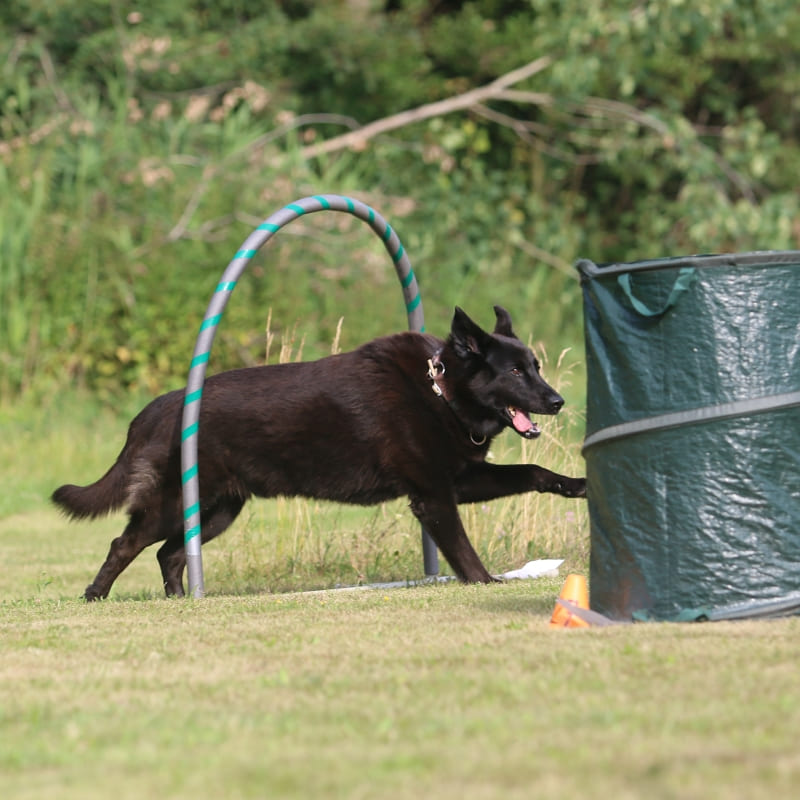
(139, 148)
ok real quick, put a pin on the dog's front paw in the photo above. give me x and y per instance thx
(572, 487)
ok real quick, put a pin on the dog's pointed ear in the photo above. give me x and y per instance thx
(467, 337)
(503, 325)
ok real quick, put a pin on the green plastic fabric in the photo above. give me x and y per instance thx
(693, 436)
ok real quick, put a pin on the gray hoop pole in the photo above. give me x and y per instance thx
(208, 329)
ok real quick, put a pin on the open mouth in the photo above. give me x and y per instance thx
(522, 424)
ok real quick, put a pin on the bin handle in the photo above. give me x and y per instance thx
(684, 280)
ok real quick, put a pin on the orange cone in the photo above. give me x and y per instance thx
(574, 591)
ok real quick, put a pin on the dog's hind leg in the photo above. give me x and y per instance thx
(441, 519)
(172, 560)
(141, 531)
(172, 554)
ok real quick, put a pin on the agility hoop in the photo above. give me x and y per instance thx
(208, 329)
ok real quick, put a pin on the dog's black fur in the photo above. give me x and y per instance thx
(402, 415)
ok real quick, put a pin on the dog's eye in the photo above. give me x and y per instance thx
(516, 372)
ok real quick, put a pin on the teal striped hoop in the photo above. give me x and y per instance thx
(208, 329)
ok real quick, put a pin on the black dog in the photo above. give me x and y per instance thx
(402, 415)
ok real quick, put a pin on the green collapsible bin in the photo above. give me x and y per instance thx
(693, 436)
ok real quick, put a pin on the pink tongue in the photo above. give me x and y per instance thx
(521, 422)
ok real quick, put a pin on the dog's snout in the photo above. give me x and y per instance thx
(556, 402)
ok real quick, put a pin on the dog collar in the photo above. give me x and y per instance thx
(436, 370)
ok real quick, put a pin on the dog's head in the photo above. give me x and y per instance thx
(502, 373)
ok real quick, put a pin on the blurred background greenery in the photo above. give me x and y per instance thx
(140, 143)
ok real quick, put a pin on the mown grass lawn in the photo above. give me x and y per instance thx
(449, 689)
(453, 690)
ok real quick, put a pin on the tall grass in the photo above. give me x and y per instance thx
(20, 315)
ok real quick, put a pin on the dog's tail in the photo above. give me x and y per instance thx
(101, 497)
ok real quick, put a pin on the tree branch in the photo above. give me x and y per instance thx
(357, 139)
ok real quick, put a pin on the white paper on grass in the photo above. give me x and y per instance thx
(543, 567)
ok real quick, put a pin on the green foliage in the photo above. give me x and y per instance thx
(138, 148)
